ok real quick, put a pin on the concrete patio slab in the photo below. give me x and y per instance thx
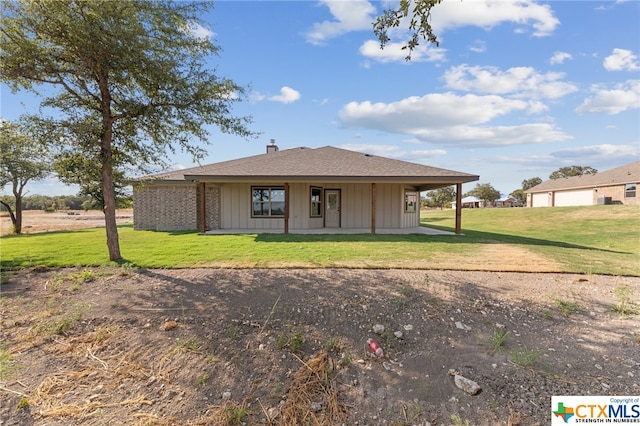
(332, 231)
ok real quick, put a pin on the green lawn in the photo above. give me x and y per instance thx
(595, 239)
(598, 239)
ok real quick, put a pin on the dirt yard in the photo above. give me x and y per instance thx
(288, 347)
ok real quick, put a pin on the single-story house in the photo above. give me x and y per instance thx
(293, 189)
(469, 203)
(615, 186)
(476, 203)
(506, 201)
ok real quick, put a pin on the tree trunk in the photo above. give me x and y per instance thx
(17, 224)
(13, 216)
(109, 195)
(18, 188)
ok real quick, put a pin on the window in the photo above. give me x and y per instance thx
(316, 202)
(630, 190)
(267, 201)
(410, 202)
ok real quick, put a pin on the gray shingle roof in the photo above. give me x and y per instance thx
(629, 173)
(318, 163)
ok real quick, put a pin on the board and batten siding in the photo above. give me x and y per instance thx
(355, 209)
(390, 212)
(235, 208)
(356, 204)
(410, 219)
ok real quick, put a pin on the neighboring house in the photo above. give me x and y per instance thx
(506, 201)
(294, 189)
(469, 203)
(476, 203)
(615, 186)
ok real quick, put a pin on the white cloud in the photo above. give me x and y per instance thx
(559, 57)
(598, 152)
(358, 15)
(231, 95)
(287, 95)
(536, 107)
(490, 13)
(257, 97)
(518, 81)
(429, 111)
(478, 46)
(622, 97)
(603, 157)
(353, 15)
(200, 32)
(621, 60)
(487, 136)
(450, 119)
(393, 52)
(393, 151)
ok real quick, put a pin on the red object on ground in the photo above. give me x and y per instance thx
(375, 347)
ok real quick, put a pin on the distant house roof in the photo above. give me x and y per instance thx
(325, 164)
(470, 199)
(629, 173)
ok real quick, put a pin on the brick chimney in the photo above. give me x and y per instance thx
(272, 147)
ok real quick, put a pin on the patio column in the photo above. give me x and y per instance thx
(201, 207)
(286, 208)
(458, 208)
(373, 208)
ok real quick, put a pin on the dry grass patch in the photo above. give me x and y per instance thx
(313, 397)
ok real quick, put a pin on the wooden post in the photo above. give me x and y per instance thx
(201, 207)
(373, 208)
(458, 208)
(286, 208)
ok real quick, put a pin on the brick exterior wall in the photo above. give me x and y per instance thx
(166, 207)
(213, 207)
(617, 194)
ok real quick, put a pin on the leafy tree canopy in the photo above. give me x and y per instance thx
(530, 183)
(484, 191)
(132, 77)
(22, 160)
(520, 196)
(416, 14)
(564, 172)
(441, 197)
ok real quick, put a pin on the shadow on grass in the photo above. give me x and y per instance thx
(468, 237)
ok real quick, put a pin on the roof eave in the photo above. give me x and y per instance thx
(289, 178)
(572, 188)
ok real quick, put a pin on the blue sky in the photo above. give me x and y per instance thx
(515, 90)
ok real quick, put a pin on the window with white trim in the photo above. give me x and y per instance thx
(316, 201)
(630, 190)
(410, 201)
(267, 201)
